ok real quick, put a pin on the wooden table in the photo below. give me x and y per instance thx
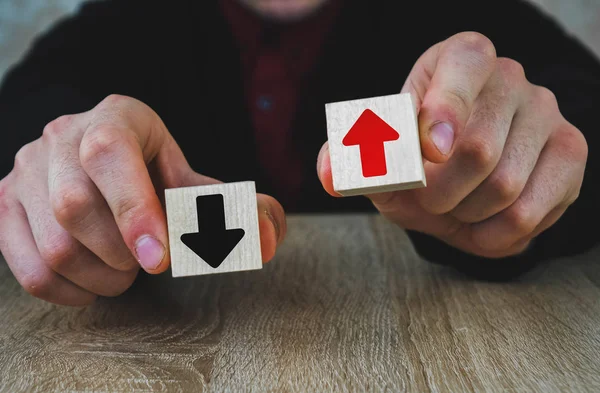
(346, 306)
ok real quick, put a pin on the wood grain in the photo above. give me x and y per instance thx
(346, 306)
(240, 212)
(403, 156)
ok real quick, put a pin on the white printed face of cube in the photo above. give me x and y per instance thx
(213, 229)
(374, 145)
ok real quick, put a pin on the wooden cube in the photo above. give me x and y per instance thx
(213, 229)
(374, 145)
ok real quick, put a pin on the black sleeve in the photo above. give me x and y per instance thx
(557, 61)
(107, 47)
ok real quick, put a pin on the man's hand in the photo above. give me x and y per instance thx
(502, 163)
(80, 211)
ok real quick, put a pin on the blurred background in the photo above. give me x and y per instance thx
(22, 20)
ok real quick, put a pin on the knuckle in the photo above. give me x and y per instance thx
(520, 219)
(478, 153)
(571, 143)
(506, 186)
(545, 98)
(113, 100)
(57, 127)
(511, 70)
(24, 158)
(117, 106)
(57, 251)
(71, 203)
(478, 43)
(99, 143)
(37, 283)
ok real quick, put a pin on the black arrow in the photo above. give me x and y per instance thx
(213, 242)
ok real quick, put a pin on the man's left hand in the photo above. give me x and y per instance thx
(502, 163)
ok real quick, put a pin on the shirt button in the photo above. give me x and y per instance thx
(264, 103)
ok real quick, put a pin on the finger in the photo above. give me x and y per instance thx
(69, 258)
(445, 82)
(462, 240)
(478, 149)
(171, 170)
(20, 251)
(529, 132)
(272, 225)
(549, 220)
(404, 209)
(400, 207)
(77, 204)
(324, 170)
(554, 183)
(123, 137)
(58, 250)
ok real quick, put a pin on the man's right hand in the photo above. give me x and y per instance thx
(80, 211)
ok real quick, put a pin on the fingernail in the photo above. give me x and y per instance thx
(442, 136)
(150, 252)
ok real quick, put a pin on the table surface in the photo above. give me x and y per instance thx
(346, 305)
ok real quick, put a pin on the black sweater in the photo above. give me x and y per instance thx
(179, 57)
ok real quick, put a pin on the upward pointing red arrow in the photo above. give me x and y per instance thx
(369, 133)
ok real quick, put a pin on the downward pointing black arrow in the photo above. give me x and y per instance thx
(213, 242)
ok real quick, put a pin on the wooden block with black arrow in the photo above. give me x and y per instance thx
(213, 229)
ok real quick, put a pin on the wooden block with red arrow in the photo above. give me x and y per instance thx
(374, 145)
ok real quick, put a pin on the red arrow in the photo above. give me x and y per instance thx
(369, 133)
